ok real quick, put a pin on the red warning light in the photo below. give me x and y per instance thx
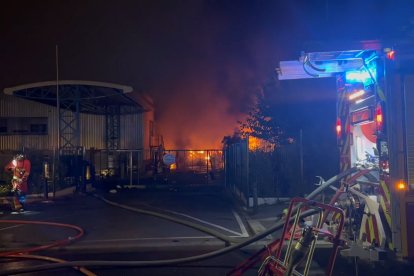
(391, 55)
(384, 165)
(338, 127)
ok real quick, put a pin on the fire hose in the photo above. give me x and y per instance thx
(170, 262)
(51, 259)
(43, 247)
(23, 253)
(164, 214)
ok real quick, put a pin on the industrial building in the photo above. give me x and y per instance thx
(66, 124)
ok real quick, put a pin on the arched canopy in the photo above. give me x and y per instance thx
(93, 97)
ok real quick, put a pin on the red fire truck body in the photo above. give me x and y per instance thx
(375, 128)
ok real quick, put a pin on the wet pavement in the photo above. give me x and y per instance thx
(112, 233)
(110, 228)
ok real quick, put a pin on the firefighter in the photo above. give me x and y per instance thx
(20, 168)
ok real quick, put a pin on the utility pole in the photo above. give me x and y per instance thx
(56, 166)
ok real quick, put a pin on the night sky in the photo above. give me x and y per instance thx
(200, 60)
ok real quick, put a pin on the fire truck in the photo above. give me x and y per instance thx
(375, 133)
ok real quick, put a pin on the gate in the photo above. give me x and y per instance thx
(195, 168)
(127, 168)
(135, 168)
(237, 170)
(259, 177)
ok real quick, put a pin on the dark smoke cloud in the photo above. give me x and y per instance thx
(192, 57)
(211, 79)
(201, 60)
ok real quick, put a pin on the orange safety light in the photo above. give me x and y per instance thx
(338, 127)
(401, 185)
(379, 118)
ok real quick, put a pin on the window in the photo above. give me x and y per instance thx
(23, 126)
(3, 125)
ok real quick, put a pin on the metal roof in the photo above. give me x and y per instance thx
(93, 97)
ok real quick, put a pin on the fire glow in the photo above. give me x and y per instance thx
(187, 126)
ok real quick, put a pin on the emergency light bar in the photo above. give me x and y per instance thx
(367, 75)
(357, 76)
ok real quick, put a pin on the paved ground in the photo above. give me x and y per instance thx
(115, 233)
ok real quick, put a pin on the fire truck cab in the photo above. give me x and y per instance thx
(375, 130)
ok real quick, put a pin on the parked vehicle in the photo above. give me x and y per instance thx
(375, 130)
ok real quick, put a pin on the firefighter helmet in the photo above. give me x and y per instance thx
(19, 156)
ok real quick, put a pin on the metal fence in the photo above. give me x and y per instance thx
(196, 167)
(146, 167)
(127, 168)
(121, 167)
(251, 175)
(102, 168)
(258, 177)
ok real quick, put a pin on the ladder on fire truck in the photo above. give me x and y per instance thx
(306, 222)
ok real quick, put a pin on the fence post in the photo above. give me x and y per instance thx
(207, 161)
(139, 164)
(130, 168)
(46, 176)
(246, 150)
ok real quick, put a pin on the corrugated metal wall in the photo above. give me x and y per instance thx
(15, 107)
(92, 127)
(132, 136)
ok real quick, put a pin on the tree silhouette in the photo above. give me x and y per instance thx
(265, 119)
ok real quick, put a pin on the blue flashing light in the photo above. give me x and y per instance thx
(357, 76)
(22, 198)
(362, 76)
